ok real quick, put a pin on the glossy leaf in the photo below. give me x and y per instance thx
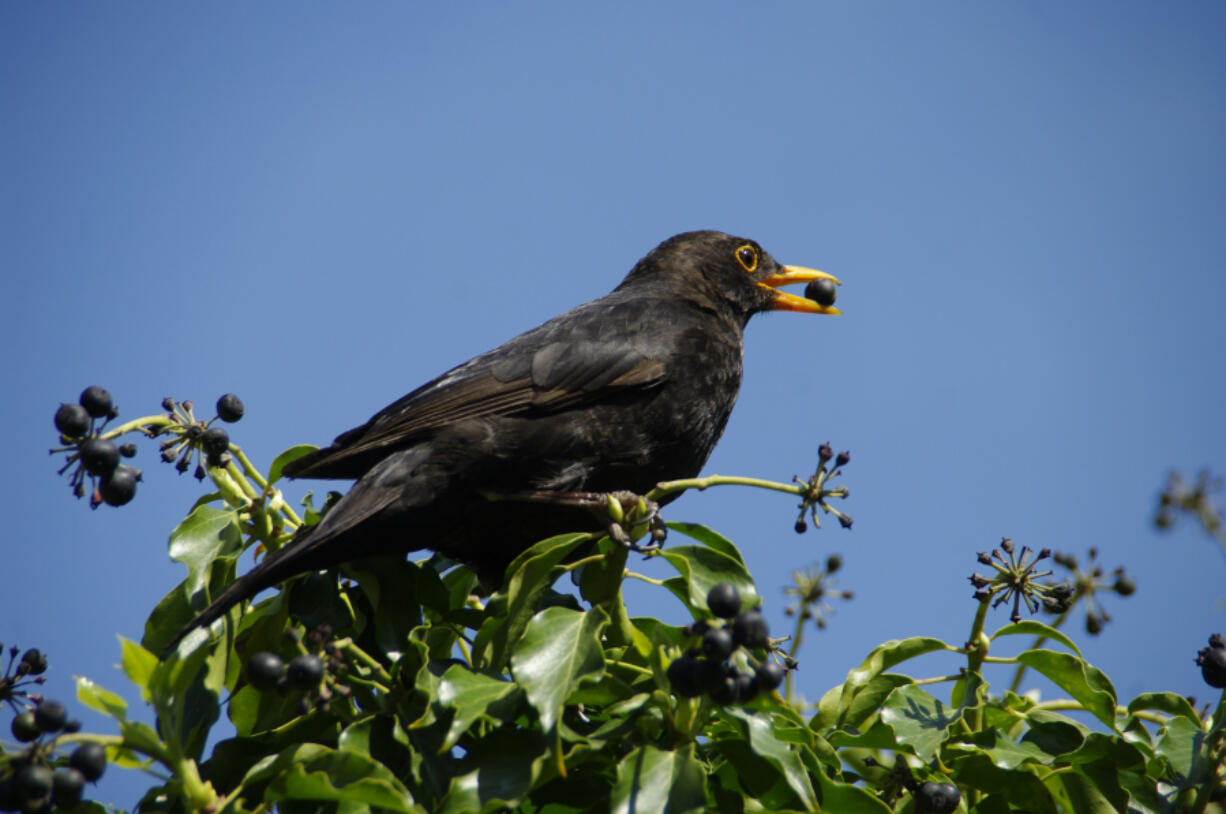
(1085, 683)
(650, 780)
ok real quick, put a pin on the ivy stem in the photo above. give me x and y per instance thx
(1039, 641)
(359, 654)
(673, 487)
(792, 650)
(976, 651)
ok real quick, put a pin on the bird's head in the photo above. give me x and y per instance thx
(736, 271)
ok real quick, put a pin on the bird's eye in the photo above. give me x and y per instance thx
(747, 256)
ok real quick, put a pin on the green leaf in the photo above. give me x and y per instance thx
(1183, 745)
(530, 576)
(1032, 627)
(703, 568)
(1085, 683)
(1018, 786)
(835, 704)
(104, 701)
(847, 799)
(205, 535)
(314, 772)
(471, 696)
(785, 757)
(280, 462)
(138, 665)
(918, 719)
(1169, 702)
(559, 649)
(709, 538)
(1086, 797)
(650, 780)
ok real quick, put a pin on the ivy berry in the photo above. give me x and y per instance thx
(230, 408)
(72, 420)
(1212, 662)
(724, 600)
(89, 759)
(96, 401)
(937, 798)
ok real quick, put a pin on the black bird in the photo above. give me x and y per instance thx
(618, 394)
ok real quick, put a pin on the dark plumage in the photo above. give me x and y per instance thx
(617, 394)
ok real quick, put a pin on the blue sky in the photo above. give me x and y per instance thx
(321, 209)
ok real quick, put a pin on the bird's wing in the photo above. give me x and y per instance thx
(549, 377)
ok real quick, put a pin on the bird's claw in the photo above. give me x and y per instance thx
(629, 516)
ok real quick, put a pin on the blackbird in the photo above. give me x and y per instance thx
(615, 395)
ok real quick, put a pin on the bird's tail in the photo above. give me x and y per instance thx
(295, 558)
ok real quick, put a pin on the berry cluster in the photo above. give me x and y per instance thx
(709, 669)
(816, 493)
(96, 457)
(307, 672)
(1087, 585)
(936, 798)
(36, 778)
(1017, 578)
(1212, 662)
(21, 673)
(190, 437)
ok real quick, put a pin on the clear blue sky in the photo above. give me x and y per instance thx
(321, 208)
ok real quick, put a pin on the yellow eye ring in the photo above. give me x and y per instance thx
(747, 256)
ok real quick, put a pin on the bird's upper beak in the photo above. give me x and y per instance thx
(783, 301)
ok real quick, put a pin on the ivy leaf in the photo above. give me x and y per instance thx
(918, 719)
(530, 576)
(102, 700)
(1085, 683)
(314, 772)
(471, 696)
(703, 568)
(652, 780)
(785, 757)
(1171, 703)
(285, 458)
(559, 649)
(138, 665)
(1033, 627)
(848, 799)
(202, 537)
(835, 704)
(709, 538)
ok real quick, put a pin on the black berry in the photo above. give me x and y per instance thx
(215, 441)
(24, 728)
(821, 292)
(717, 644)
(725, 692)
(683, 677)
(724, 600)
(89, 759)
(305, 671)
(229, 408)
(265, 670)
(32, 783)
(1212, 661)
(99, 457)
(128, 450)
(67, 786)
(50, 716)
(744, 687)
(711, 675)
(96, 401)
(749, 629)
(72, 420)
(768, 676)
(937, 798)
(120, 486)
(35, 661)
(1124, 585)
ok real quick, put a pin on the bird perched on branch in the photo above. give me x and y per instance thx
(615, 395)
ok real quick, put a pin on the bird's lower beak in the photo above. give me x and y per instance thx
(783, 301)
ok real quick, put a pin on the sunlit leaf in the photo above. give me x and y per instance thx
(650, 780)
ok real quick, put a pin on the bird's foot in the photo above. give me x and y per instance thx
(629, 517)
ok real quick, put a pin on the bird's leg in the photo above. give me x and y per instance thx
(625, 515)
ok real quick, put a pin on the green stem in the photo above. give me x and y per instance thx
(659, 583)
(977, 651)
(673, 487)
(797, 637)
(361, 655)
